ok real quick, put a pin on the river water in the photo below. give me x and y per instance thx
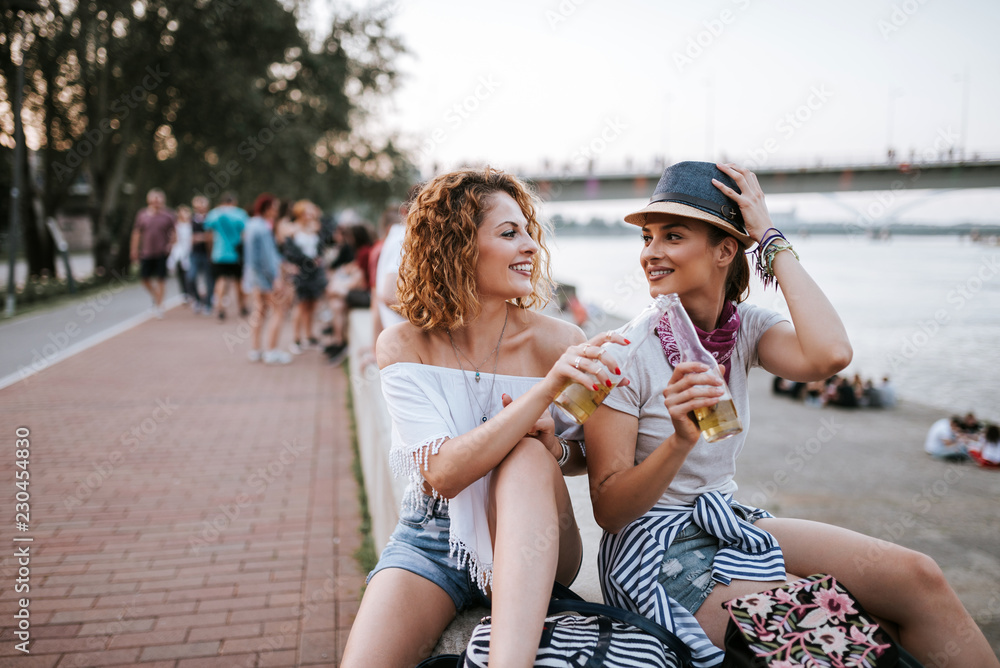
(924, 310)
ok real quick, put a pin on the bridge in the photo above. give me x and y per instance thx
(936, 175)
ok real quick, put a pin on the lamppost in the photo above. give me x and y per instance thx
(962, 139)
(17, 190)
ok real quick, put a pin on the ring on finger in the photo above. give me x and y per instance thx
(576, 363)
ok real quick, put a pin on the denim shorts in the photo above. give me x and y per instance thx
(686, 572)
(420, 545)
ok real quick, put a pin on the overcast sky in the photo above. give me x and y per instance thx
(762, 82)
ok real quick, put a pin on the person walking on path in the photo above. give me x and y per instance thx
(180, 254)
(152, 238)
(262, 280)
(226, 223)
(676, 543)
(468, 381)
(200, 262)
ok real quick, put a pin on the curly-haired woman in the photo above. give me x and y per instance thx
(468, 382)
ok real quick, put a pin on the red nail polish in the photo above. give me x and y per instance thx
(596, 388)
(627, 341)
(618, 371)
(608, 383)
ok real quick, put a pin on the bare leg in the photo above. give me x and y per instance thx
(402, 615)
(261, 303)
(893, 583)
(338, 310)
(240, 301)
(536, 541)
(308, 309)
(279, 308)
(148, 284)
(297, 317)
(220, 293)
(159, 286)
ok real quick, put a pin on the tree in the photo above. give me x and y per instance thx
(200, 96)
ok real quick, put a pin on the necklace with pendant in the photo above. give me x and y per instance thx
(496, 362)
(496, 351)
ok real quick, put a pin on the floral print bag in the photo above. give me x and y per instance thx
(810, 623)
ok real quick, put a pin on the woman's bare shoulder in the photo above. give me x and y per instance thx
(552, 335)
(400, 343)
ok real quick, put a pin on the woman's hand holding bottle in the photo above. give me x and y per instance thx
(692, 386)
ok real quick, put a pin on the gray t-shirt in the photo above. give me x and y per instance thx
(709, 466)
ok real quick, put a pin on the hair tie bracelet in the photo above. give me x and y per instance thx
(776, 230)
(565, 452)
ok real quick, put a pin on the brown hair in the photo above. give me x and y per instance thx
(263, 203)
(437, 276)
(738, 278)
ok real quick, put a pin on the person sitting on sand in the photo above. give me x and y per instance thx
(987, 450)
(944, 440)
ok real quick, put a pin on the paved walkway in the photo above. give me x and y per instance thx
(43, 337)
(187, 508)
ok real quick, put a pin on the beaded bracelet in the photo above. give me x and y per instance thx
(767, 248)
(773, 250)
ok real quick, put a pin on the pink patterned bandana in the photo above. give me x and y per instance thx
(720, 342)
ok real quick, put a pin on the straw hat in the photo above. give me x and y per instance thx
(686, 190)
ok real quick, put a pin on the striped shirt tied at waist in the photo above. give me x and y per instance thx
(630, 561)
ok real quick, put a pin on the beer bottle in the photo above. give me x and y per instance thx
(716, 422)
(579, 402)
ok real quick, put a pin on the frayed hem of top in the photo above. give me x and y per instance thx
(410, 462)
(406, 460)
(481, 574)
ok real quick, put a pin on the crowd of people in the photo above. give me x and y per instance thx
(964, 439)
(840, 391)
(276, 262)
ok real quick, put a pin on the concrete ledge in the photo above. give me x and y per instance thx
(373, 430)
(385, 492)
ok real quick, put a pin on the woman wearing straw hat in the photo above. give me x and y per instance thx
(676, 544)
(468, 382)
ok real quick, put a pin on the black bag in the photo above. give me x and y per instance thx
(359, 299)
(806, 622)
(601, 635)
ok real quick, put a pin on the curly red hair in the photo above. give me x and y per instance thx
(437, 276)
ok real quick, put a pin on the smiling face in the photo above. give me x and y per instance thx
(506, 250)
(677, 256)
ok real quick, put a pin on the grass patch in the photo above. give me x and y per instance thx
(365, 554)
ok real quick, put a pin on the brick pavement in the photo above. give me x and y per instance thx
(188, 508)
